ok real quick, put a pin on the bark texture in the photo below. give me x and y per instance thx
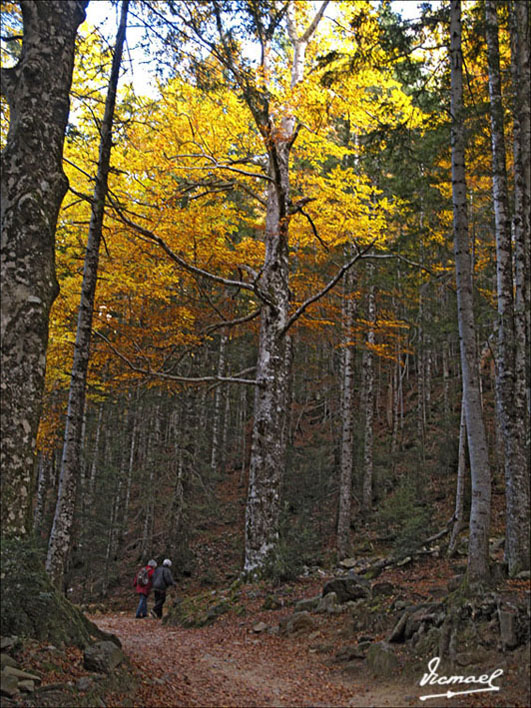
(347, 421)
(478, 567)
(510, 408)
(33, 186)
(269, 437)
(60, 538)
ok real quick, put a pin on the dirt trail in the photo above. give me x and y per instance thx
(227, 665)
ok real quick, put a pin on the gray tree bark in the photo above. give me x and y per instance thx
(347, 419)
(33, 186)
(268, 445)
(60, 538)
(460, 488)
(511, 408)
(478, 566)
(368, 401)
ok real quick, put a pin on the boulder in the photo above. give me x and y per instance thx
(102, 657)
(348, 563)
(381, 659)
(259, 627)
(26, 686)
(7, 660)
(397, 634)
(19, 674)
(328, 604)
(349, 588)
(9, 685)
(300, 622)
(307, 603)
(422, 617)
(349, 653)
(85, 683)
(508, 627)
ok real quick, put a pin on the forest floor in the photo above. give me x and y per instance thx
(229, 663)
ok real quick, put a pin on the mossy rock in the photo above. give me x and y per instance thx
(30, 604)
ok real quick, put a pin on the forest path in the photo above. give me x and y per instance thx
(225, 664)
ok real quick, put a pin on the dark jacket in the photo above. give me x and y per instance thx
(162, 578)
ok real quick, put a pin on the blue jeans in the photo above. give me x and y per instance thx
(141, 610)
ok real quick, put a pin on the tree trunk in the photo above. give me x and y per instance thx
(268, 446)
(218, 415)
(510, 410)
(478, 555)
(33, 186)
(347, 420)
(460, 491)
(368, 380)
(60, 538)
(520, 51)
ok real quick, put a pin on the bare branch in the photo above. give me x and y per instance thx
(173, 377)
(317, 296)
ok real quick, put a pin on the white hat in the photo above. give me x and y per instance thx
(167, 562)
(152, 563)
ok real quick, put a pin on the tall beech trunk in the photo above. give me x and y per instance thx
(60, 538)
(459, 512)
(217, 424)
(520, 66)
(32, 186)
(269, 438)
(478, 552)
(510, 408)
(368, 399)
(347, 419)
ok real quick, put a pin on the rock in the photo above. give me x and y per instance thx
(382, 588)
(348, 563)
(85, 683)
(404, 561)
(508, 633)
(259, 627)
(26, 686)
(397, 634)
(350, 588)
(523, 575)
(7, 660)
(19, 674)
(7, 643)
(307, 603)
(9, 685)
(381, 659)
(421, 617)
(300, 622)
(349, 653)
(102, 657)
(328, 603)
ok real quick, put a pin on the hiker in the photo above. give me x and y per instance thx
(142, 583)
(162, 580)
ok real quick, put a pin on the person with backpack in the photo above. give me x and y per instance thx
(142, 584)
(162, 580)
